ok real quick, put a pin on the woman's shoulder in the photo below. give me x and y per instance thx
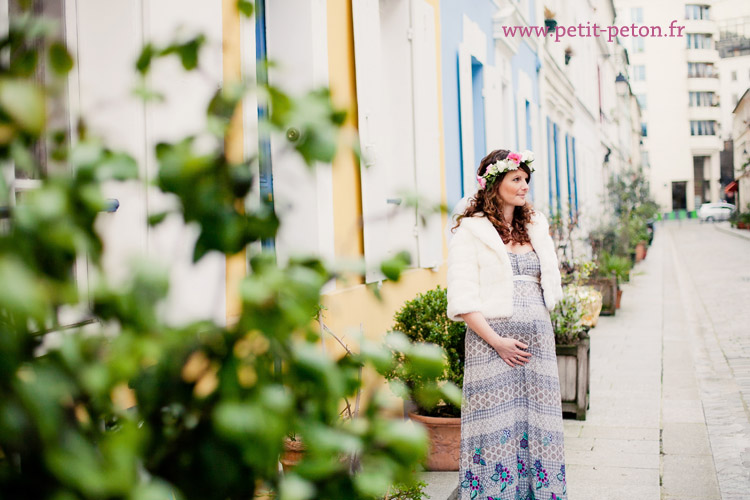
(538, 217)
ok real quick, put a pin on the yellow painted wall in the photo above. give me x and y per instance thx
(236, 266)
(352, 306)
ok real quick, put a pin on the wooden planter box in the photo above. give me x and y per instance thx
(608, 288)
(574, 373)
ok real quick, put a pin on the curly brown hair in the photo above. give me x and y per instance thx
(488, 202)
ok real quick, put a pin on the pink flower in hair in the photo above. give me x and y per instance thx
(515, 157)
(482, 181)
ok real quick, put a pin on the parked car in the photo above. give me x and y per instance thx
(710, 212)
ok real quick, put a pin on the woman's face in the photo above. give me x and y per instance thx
(514, 187)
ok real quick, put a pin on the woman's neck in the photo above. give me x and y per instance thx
(508, 214)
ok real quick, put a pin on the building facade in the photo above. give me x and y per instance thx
(429, 87)
(675, 77)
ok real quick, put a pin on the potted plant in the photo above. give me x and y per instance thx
(294, 450)
(549, 20)
(577, 274)
(743, 219)
(424, 321)
(572, 349)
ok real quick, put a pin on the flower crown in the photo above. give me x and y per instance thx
(511, 162)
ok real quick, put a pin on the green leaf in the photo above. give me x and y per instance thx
(148, 94)
(24, 102)
(189, 52)
(294, 487)
(60, 59)
(24, 64)
(157, 218)
(393, 267)
(245, 7)
(117, 166)
(22, 157)
(143, 64)
(451, 392)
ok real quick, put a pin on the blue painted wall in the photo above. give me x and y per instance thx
(480, 133)
(451, 33)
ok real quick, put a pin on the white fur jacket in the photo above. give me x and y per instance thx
(480, 277)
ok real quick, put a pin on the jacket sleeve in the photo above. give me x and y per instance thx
(551, 279)
(463, 275)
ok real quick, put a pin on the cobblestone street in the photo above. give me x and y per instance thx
(670, 379)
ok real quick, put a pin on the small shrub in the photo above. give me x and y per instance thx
(424, 319)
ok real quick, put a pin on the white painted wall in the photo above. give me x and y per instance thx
(107, 38)
(397, 100)
(302, 195)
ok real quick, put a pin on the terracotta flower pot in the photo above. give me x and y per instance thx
(619, 297)
(294, 450)
(640, 251)
(445, 441)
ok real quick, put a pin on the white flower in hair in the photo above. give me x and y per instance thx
(527, 156)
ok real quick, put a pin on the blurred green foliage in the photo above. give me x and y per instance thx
(424, 321)
(131, 407)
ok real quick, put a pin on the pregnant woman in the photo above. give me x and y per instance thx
(503, 279)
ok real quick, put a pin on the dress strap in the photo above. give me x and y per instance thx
(525, 277)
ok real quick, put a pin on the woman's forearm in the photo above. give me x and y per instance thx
(477, 322)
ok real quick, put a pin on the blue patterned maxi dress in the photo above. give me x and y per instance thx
(511, 418)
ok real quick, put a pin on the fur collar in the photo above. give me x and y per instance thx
(481, 227)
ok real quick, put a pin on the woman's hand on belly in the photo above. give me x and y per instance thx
(510, 350)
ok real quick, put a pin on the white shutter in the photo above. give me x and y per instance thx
(465, 97)
(493, 108)
(426, 131)
(367, 57)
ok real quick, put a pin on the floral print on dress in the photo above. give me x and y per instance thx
(525, 441)
(505, 437)
(547, 440)
(478, 457)
(502, 475)
(522, 470)
(561, 478)
(472, 482)
(542, 479)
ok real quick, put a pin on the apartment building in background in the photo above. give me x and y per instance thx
(675, 79)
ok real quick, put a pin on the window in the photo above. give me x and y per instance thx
(636, 15)
(696, 12)
(702, 127)
(644, 129)
(644, 158)
(700, 99)
(638, 44)
(701, 70)
(734, 76)
(699, 41)
(639, 72)
(641, 98)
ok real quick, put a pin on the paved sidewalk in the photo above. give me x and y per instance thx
(645, 436)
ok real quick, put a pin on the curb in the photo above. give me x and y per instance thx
(736, 232)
